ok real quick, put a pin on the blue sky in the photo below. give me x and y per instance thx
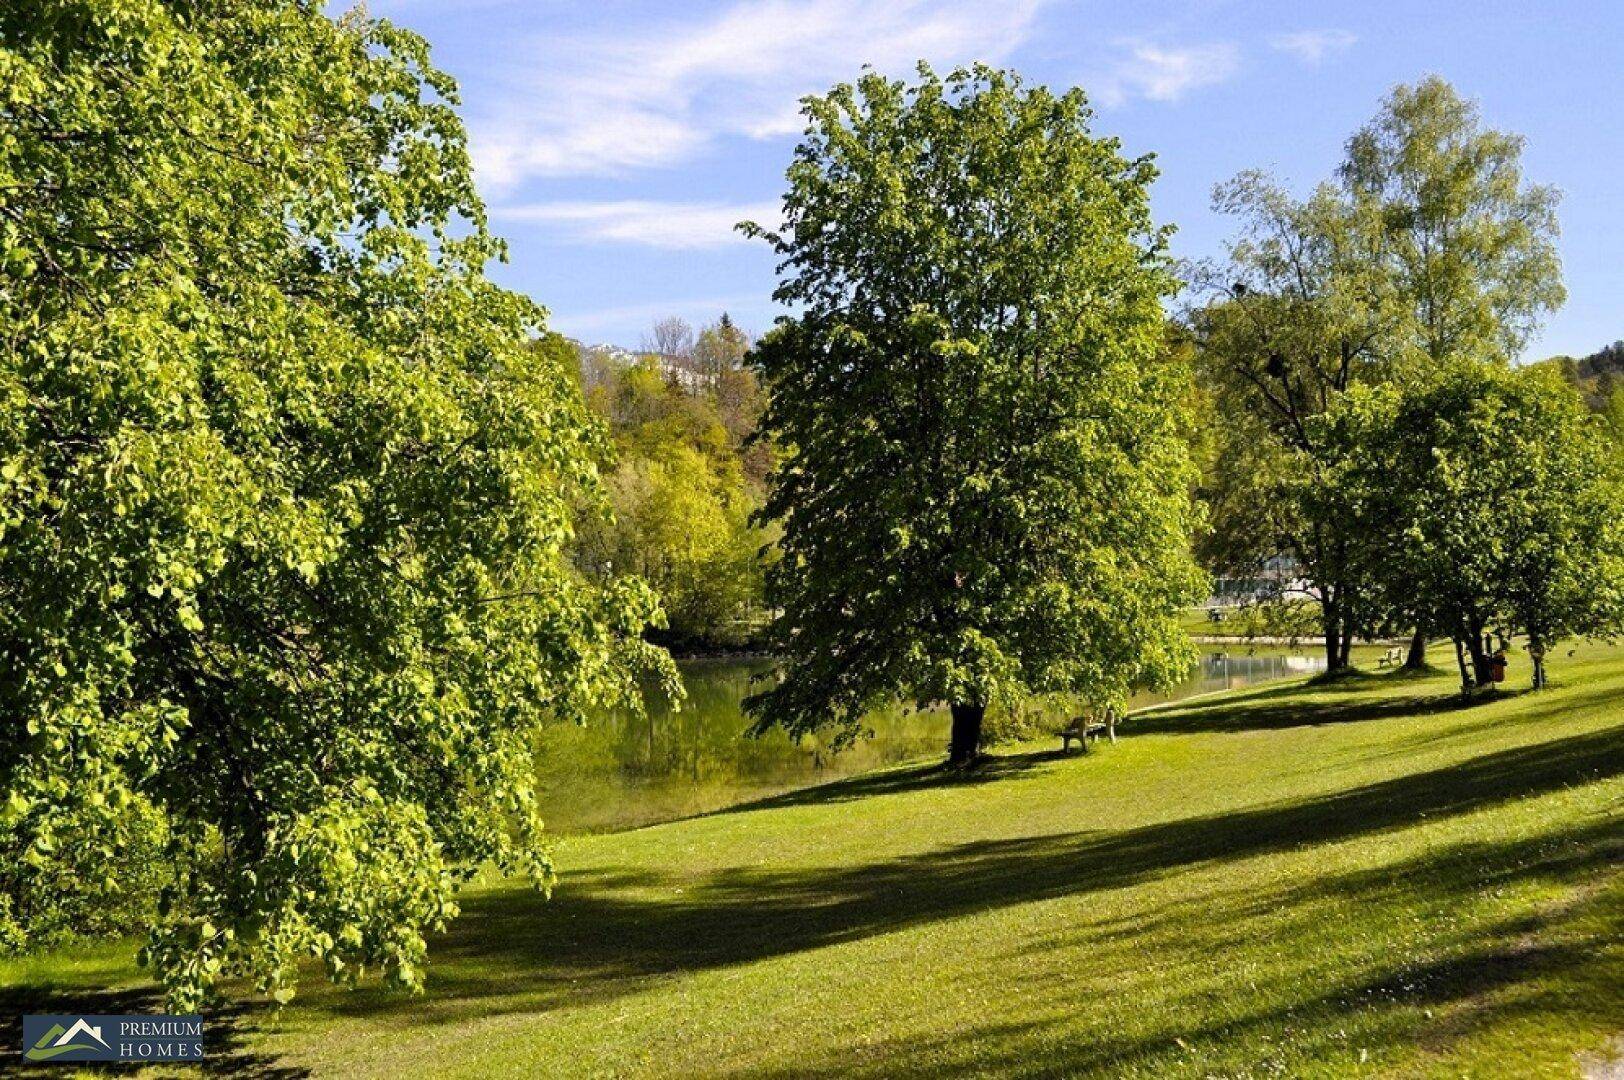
(617, 141)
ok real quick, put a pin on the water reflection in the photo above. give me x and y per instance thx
(621, 772)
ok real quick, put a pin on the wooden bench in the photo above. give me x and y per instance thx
(1084, 728)
(1390, 657)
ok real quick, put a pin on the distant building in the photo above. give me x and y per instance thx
(595, 359)
(1278, 576)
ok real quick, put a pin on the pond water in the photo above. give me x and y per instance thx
(621, 772)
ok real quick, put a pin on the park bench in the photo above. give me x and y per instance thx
(1084, 728)
(1390, 657)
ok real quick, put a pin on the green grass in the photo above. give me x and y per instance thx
(1196, 621)
(1355, 878)
(1237, 623)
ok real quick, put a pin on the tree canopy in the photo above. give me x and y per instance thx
(1487, 501)
(286, 498)
(1467, 245)
(1429, 249)
(983, 492)
(1295, 315)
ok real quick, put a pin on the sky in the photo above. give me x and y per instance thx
(616, 142)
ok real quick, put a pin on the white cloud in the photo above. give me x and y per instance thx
(1159, 73)
(668, 225)
(1312, 46)
(607, 104)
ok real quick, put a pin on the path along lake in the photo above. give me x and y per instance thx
(621, 772)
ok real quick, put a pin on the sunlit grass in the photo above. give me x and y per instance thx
(1361, 878)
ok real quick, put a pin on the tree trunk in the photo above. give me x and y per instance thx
(1417, 659)
(965, 746)
(1347, 650)
(1335, 655)
(1466, 682)
(1480, 659)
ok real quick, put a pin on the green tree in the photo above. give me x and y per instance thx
(1430, 249)
(1289, 321)
(1491, 507)
(285, 497)
(1468, 247)
(720, 348)
(983, 492)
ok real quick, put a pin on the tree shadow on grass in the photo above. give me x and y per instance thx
(1049, 1047)
(1529, 966)
(1344, 701)
(605, 936)
(903, 779)
(225, 1031)
(513, 950)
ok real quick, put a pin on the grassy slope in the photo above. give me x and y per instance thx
(1339, 880)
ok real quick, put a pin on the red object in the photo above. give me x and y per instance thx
(1497, 668)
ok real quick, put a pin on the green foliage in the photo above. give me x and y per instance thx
(687, 530)
(1486, 502)
(1286, 617)
(721, 349)
(1429, 250)
(1469, 248)
(1612, 414)
(102, 876)
(285, 499)
(984, 494)
(1295, 316)
(686, 480)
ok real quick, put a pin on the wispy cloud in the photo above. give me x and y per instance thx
(669, 225)
(608, 104)
(1312, 46)
(1165, 73)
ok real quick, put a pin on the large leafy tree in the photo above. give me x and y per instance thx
(1429, 249)
(1489, 502)
(285, 496)
(1467, 246)
(1288, 322)
(983, 493)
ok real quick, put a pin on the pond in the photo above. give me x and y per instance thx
(621, 772)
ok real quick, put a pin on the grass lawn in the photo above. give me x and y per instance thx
(1235, 623)
(1197, 621)
(1359, 878)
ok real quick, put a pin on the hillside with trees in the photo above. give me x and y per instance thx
(1600, 378)
(686, 476)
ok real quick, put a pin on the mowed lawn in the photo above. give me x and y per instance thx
(1361, 878)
